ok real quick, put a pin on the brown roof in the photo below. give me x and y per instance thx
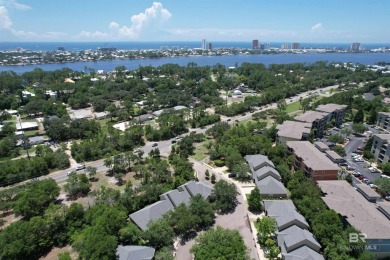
(359, 212)
(312, 157)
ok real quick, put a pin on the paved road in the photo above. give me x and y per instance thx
(165, 146)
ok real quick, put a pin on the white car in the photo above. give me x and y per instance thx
(79, 167)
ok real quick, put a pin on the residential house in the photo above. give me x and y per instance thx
(267, 179)
(311, 161)
(169, 201)
(26, 126)
(27, 94)
(293, 235)
(135, 253)
(81, 114)
(368, 96)
(101, 115)
(386, 101)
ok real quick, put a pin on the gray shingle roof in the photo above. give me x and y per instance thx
(271, 187)
(257, 161)
(294, 237)
(303, 253)
(169, 201)
(289, 219)
(152, 212)
(264, 172)
(135, 253)
(178, 196)
(195, 188)
(276, 208)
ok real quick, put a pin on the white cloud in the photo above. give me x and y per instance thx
(91, 35)
(5, 21)
(14, 4)
(150, 20)
(316, 27)
(113, 26)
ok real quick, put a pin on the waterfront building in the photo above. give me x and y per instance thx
(255, 44)
(295, 46)
(204, 44)
(355, 46)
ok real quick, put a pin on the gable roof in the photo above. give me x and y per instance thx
(195, 188)
(177, 197)
(257, 161)
(264, 172)
(294, 237)
(276, 208)
(169, 201)
(152, 212)
(135, 253)
(271, 187)
(289, 219)
(304, 253)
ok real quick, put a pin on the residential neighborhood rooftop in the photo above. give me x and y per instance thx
(330, 108)
(135, 253)
(385, 137)
(256, 161)
(271, 187)
(360, 213)
(310, 116)
(312, 157)
(293, 129)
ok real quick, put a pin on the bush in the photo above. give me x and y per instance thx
(219, 163)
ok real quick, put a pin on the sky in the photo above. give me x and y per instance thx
(322, 21)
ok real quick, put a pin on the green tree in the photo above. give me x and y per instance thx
(383, 185)
(385, 167)
(207, 174)
(213, 178)
(91, 171)
(224, 196)
(164, 253)
(254, 200)
(220, 243)
(359, 116)
(36, 198)
(77, 185)
(242, 170)
(266, 228)
(339, 150)
(336, 138)
(130, 234)
(94, 243)
(202, 210)
(358, 128)
(159, 233)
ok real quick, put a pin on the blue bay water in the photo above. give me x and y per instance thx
(228, 60)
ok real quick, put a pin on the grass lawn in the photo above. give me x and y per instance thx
(292, 107)
(201, 151)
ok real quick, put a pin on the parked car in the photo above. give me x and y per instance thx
(173, 141)
(343, 164)
(356, 174)
(154, 145)
(360, 148)
(361, 177)
(231, 175)
(350, 168)
(229, 119)
(373, 169)
(358, 152)
(80, 167)
(373, 186)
